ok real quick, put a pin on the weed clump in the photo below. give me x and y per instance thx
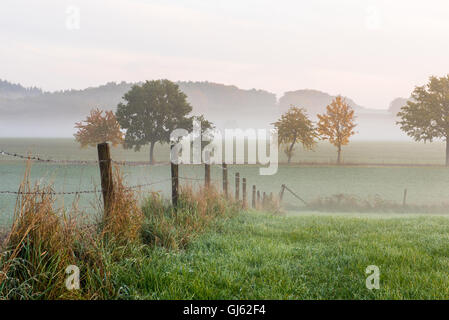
(174, 228)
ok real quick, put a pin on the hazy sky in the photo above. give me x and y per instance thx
(371, 51)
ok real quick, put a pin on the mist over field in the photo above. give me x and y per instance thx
(31, 112)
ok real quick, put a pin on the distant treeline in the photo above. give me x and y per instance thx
(225, 105)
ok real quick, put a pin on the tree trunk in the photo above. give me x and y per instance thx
(339, 155)
(152, 152)
(290, 152)
(447, 152)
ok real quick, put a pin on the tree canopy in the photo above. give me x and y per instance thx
(426, 116)
(98, 128)
(151, 112)
(294, 126)
(337, 124)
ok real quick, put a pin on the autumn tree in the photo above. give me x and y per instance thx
(426, 116)
(337, 124)
(98, 128)
(295, 127)
(151, 112)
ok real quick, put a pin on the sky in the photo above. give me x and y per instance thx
(371, 51)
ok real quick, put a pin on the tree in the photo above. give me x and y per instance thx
(337, 124)
(426, 116)
(294, 126)
(151, 112)
(98, 129)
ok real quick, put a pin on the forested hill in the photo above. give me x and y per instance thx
(313, 101)
(10, 90)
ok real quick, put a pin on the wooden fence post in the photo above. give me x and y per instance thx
(237, 186)
(258, 199)
(281, 194)
(225, 180)
(207, 175)
(253, 203)
(174, 181)
(404, 199)
(107, 182)
(244, 193)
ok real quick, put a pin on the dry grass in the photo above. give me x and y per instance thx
(43, 241)
(40, 244)
(124, 221)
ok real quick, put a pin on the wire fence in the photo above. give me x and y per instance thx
(241, 193)
(36, 158)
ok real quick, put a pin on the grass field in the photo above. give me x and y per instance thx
(257, 256)
(426, 185)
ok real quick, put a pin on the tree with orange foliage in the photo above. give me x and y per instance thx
(337, 124)
(98, 129)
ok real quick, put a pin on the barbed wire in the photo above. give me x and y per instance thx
(39, 159)
(148, 184)
(139, 163)
(78, 192)
(85, 162)
(49, 192)
(117, 162)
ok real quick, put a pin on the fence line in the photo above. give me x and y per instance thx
(105, 161)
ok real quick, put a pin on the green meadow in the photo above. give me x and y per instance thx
(263, 256)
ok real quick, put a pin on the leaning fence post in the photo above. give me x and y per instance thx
(107, 183)
(281, 194)
(253, 203)
(174, 181)
(237, 186)
(207, 175)
(244, 192)
(225, 180)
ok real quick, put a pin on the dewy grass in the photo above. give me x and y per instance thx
(261, 256)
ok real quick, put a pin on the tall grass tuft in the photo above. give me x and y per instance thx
(124, 221)
(174, 228)
(38, 248)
